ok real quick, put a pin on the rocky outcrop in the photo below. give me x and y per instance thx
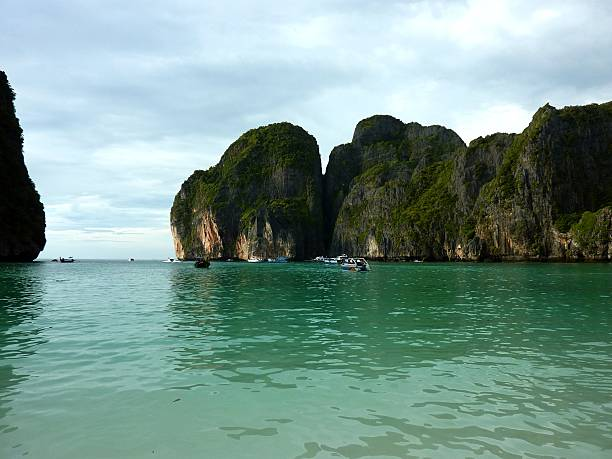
(405, 191)
(378, 189)
(263, 199)
(22, 217)
(554, 175)
(418, 192)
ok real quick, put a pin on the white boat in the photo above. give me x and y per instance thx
(171, 260)
(320, 259)
(355, 264)
(342, 258)
(255, 260)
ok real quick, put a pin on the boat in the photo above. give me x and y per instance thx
(355, 264)
(342, 258)
(280, 260)
(255, 260)
(171, 260)
(202, 263)
(66, 260)
(320, 259)
(130, 259)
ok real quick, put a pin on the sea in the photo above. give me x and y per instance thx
(112, 359)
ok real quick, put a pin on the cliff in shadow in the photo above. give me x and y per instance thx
(386, 191)
(22, 217)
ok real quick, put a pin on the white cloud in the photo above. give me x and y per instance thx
(486, 120)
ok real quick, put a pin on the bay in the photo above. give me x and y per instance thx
(114, 359)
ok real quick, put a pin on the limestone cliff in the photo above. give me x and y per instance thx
(408, 191)
(263, 199)
(403, 191)
(22, 217)
(378, 189)
(550, 198)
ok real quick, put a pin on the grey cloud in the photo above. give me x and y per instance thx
(123, 100)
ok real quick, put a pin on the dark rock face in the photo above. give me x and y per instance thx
(263, 199)
(408, 191)
(22, 217)
(375, 185)
(553, 188)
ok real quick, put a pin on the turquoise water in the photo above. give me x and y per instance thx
(147, 359)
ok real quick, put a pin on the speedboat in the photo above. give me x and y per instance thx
(66, 260)
(355, 264)
(342, 258)
(255, 260)
(171, 260)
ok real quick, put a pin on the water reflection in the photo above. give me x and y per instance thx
(20, 296)
(429, 360)
(250, 322)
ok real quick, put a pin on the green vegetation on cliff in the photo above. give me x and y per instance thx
(418, 193)
(269, 180)
(403, 190)
(398, 191)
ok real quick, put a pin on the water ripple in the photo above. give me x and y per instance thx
(110, 359)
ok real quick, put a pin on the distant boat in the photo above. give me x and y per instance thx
(171, 260)
(202, 264)
(418, 261)
(130, 259)
(255, 260)
(281, 260)
(355, 264)
(66, 260)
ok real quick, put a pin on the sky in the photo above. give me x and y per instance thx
(121, 101)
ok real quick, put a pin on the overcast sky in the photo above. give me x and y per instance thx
(121, 100)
